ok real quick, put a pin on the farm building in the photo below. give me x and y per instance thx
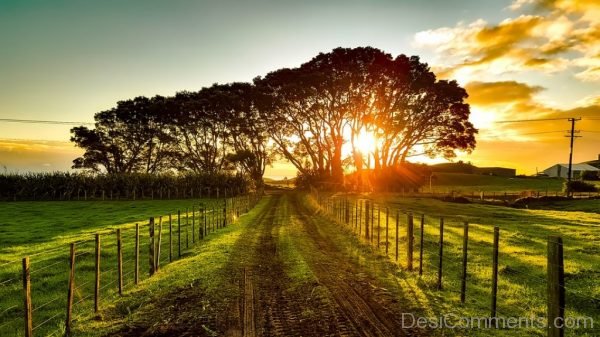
(562, 170)
(594, 163)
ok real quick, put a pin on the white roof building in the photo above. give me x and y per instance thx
(562, 170)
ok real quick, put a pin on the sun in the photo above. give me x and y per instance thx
(366, 142)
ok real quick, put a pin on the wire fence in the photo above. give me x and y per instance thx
(494, 196)
(47, 293)
(478, 270)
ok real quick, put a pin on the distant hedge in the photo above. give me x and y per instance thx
(79, 186)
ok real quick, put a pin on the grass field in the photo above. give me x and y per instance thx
(460, 182)
(38, 227)
(44, 230)
(522, 271)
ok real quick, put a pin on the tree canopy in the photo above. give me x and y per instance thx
(313, 115)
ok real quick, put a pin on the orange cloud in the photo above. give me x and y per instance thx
(528, 145)
(495, 103)
(554, 36)
(34, 155)
(492, 93)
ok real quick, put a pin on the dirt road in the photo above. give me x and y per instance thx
(296, 275)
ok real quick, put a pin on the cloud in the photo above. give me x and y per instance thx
(553, 36)
(495, 104)
(527, 145)
(34, 155)
(493, 93)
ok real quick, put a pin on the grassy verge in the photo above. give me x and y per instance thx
(202, 272)
(43, 231)
(523, 240)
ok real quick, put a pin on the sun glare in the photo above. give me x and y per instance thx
(366, 142)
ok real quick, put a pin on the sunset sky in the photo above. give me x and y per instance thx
(523, 59)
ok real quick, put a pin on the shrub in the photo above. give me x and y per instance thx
(579, 186)
(590, 175)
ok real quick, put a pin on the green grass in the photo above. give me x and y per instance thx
(44, 230)
(460, 182)
(203, 272)
(522, 271)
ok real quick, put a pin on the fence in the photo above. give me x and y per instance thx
(139, 193)
(495, 195)
(464, 266)
(47, 293)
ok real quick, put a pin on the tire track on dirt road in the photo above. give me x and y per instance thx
(356, 301)
(279, 307)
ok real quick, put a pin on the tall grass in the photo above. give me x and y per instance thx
(78, 186)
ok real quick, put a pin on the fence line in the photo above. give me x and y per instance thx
(354, 215)
(112, 273)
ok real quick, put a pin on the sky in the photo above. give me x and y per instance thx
(518, 59)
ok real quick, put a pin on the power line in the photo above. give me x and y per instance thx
(37, 121)
(533, 120)
(539, 133)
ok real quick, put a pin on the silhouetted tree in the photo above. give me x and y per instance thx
(200, 131)
(309, 114)
(128, 138)
(332, 99)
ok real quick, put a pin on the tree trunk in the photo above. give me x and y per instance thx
(337, 172)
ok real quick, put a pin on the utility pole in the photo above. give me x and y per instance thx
(572, 135)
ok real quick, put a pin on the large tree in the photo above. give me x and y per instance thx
(248, 133)
(312, 114)
(200, 130)
(130, 137)
(337, 96)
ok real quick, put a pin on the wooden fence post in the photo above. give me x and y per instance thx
(193, 224)
(204, 232)
(120, 260)
(463, 285)
(179, 233)
(170, 238)
(421, 244)
(378, 227)
(556, 287)
(387, 222)
(347, 210)
(97, 283)
(136, 270)
(368, 206)
(410, 242)
(151, 253)
(70, 291)
(158, 244)
(356, 213)
(397, 227)
(27, 298)
(495, 274)
(441, 255)
(373, 222)
(225, 213)
(187, 223)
